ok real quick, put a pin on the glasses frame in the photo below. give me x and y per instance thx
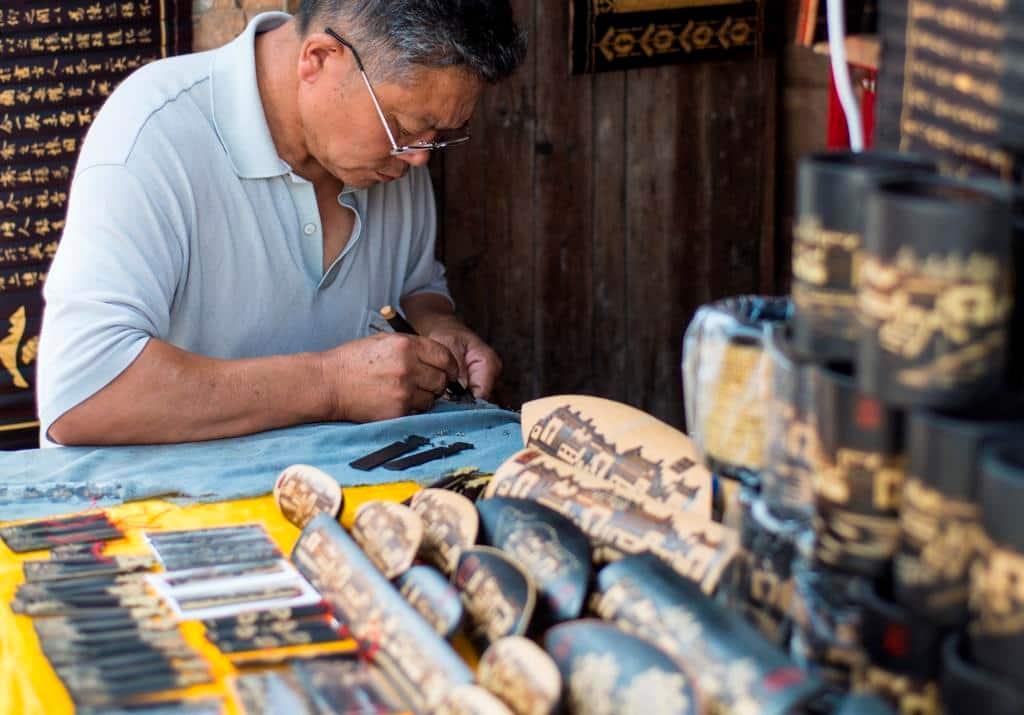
(396, 150)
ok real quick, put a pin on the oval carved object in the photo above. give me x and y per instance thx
(522, 675)
(390, 534)
(302, 492)
(498, 595)
(450, 524)
(549, 546)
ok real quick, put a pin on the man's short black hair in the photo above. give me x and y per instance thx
(393, 35)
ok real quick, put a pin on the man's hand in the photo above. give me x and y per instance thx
(385, 376)
(478, 364)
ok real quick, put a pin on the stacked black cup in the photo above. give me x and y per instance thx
(857, 457)
(911, 394)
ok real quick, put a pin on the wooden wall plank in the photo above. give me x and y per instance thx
(737, 161)
(489, 242)
(564, 171)
(663, 176)
(610, 336)
(771, 93)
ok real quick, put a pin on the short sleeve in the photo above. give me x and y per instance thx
(110, 287)
(425, 274)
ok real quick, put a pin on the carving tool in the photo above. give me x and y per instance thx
(454, 388)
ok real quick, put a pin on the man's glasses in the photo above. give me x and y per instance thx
(396, 150)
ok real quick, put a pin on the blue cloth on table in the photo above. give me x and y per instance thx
(37, 483)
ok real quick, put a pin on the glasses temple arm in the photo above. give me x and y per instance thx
(380, 112)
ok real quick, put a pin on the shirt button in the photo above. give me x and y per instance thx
(309, 229)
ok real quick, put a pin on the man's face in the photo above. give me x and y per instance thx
(343, 130)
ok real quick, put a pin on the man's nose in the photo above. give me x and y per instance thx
(415, 158)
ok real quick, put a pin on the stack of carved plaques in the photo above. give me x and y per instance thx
(110, 638)
(881, 533)
(59, 60)
(587, 576)
(950, 83)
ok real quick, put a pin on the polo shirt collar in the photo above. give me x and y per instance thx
(237, 109)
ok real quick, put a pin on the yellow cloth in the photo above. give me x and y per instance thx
(28, 685)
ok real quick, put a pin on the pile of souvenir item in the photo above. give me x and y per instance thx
(585, 576)
(870, 431)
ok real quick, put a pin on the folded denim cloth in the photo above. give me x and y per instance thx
(36, 483)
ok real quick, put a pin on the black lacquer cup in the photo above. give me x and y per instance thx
(902, 651)
(996, 627)
(936, 293)
(966, 688)
(859, 473)
(895, 637)
(831, 192)
(940, 520)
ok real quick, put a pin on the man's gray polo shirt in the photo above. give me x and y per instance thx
(184, 224)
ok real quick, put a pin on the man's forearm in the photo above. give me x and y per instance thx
(170, 395)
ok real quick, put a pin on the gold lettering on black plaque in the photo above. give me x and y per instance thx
(12, 282)
(80, 13)
(45, 199)
(921, 110)
(12, 177)
(952, 18)
(963, 115)
(26, 71)
(43, 149)
(940, 138)
(28, 228)
(46, 120)
(984, 58)
(962, 82)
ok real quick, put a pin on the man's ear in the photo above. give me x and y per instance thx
(314, 54)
